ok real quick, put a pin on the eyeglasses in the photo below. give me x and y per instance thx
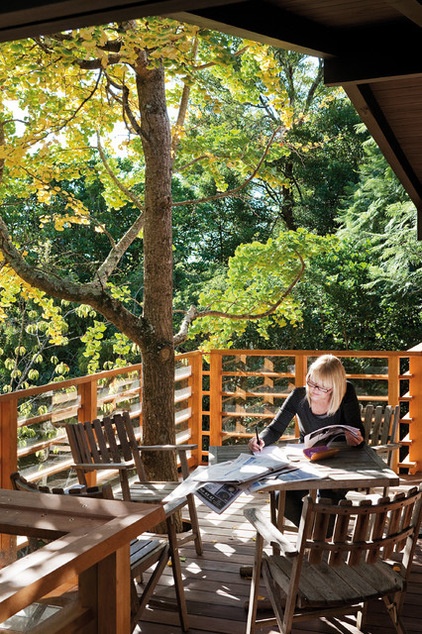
(315, 386)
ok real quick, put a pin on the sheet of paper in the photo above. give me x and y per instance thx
(273, 451)
(295, 474)
(328, 434)
(245, 467)
(218, 496)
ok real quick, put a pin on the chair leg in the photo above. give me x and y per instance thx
(139, 604)
(253, 595)
(392, 604)
(195, 524)
(361, 616)
(177, 574)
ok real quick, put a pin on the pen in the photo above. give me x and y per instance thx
(257, 438)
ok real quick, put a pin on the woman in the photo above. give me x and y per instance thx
(327, 399)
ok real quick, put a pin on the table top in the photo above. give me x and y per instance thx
(50, 516)
(85, 531)
(351, 468)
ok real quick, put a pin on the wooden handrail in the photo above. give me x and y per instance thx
(220, 397)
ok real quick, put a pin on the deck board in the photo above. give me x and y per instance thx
(216, 593)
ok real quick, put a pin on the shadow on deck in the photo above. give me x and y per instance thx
(216, 592)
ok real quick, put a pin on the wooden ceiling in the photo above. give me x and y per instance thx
(371, 47)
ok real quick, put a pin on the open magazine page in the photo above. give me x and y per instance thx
(221, 484)
(218, 496)
(293, 473)
(328, 435)
(245, 468)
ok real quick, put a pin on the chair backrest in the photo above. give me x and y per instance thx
(365, 533)
(107, 441)
(380, 424)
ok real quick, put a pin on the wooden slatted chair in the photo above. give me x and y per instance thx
(368, 557)
(111, 444)
(381, 429)
(145, 552)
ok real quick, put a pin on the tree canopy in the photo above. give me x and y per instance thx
(151, 161)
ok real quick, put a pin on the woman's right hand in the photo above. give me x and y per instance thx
(254, 446)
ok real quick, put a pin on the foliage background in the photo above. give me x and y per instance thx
(323, 186)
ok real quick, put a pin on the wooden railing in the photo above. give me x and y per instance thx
(219, 397)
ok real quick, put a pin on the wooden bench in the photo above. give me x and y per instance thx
(89, 546)
(144, 551)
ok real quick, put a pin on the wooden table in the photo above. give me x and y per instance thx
(91, 544)
(351, 468)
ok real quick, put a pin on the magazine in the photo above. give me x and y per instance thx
(297, 474)
(327, 435)
(218, 496)
(219, 485)
(245, 468)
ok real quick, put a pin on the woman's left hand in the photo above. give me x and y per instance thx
(353, 439)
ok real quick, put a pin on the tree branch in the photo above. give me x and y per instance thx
(94, 294)
(235, 190)
(193, 313)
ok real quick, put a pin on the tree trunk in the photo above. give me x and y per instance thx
(157, 350)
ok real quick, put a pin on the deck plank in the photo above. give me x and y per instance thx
(216, 593)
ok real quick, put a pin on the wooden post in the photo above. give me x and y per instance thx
(88, 411)
(9, 463)
(415, 409)
(301, 370)
(216, 398)
(393, 399)
(195, 401)
(114, 586)
(105, 589)
(393, 380)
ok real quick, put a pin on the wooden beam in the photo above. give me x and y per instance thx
(419, 221)
(374, 66)
(412, 9)
(29, 19)
(265, 22)
(371, 114)
(341, 72)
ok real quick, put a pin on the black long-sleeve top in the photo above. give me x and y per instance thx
(297, 404)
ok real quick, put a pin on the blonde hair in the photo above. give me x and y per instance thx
(328, 371)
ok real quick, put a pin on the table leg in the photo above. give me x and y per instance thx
(105, 588)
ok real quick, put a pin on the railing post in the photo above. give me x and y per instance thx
(9, 463)
(393, 380)
(393, 399)
(415, 409)
(88, 411)
(216, 398)
(301, 370)
(195, 359)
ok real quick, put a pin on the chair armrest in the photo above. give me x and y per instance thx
(179, 449)
(166, 447)
(109, 465)
(388, 447)
(269, 532)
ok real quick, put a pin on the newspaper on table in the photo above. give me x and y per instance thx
(327, 435)
(218, 496)
(224, 482)
(245, 468)
(297, 474)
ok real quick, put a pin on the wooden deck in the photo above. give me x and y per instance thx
(216, 593)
